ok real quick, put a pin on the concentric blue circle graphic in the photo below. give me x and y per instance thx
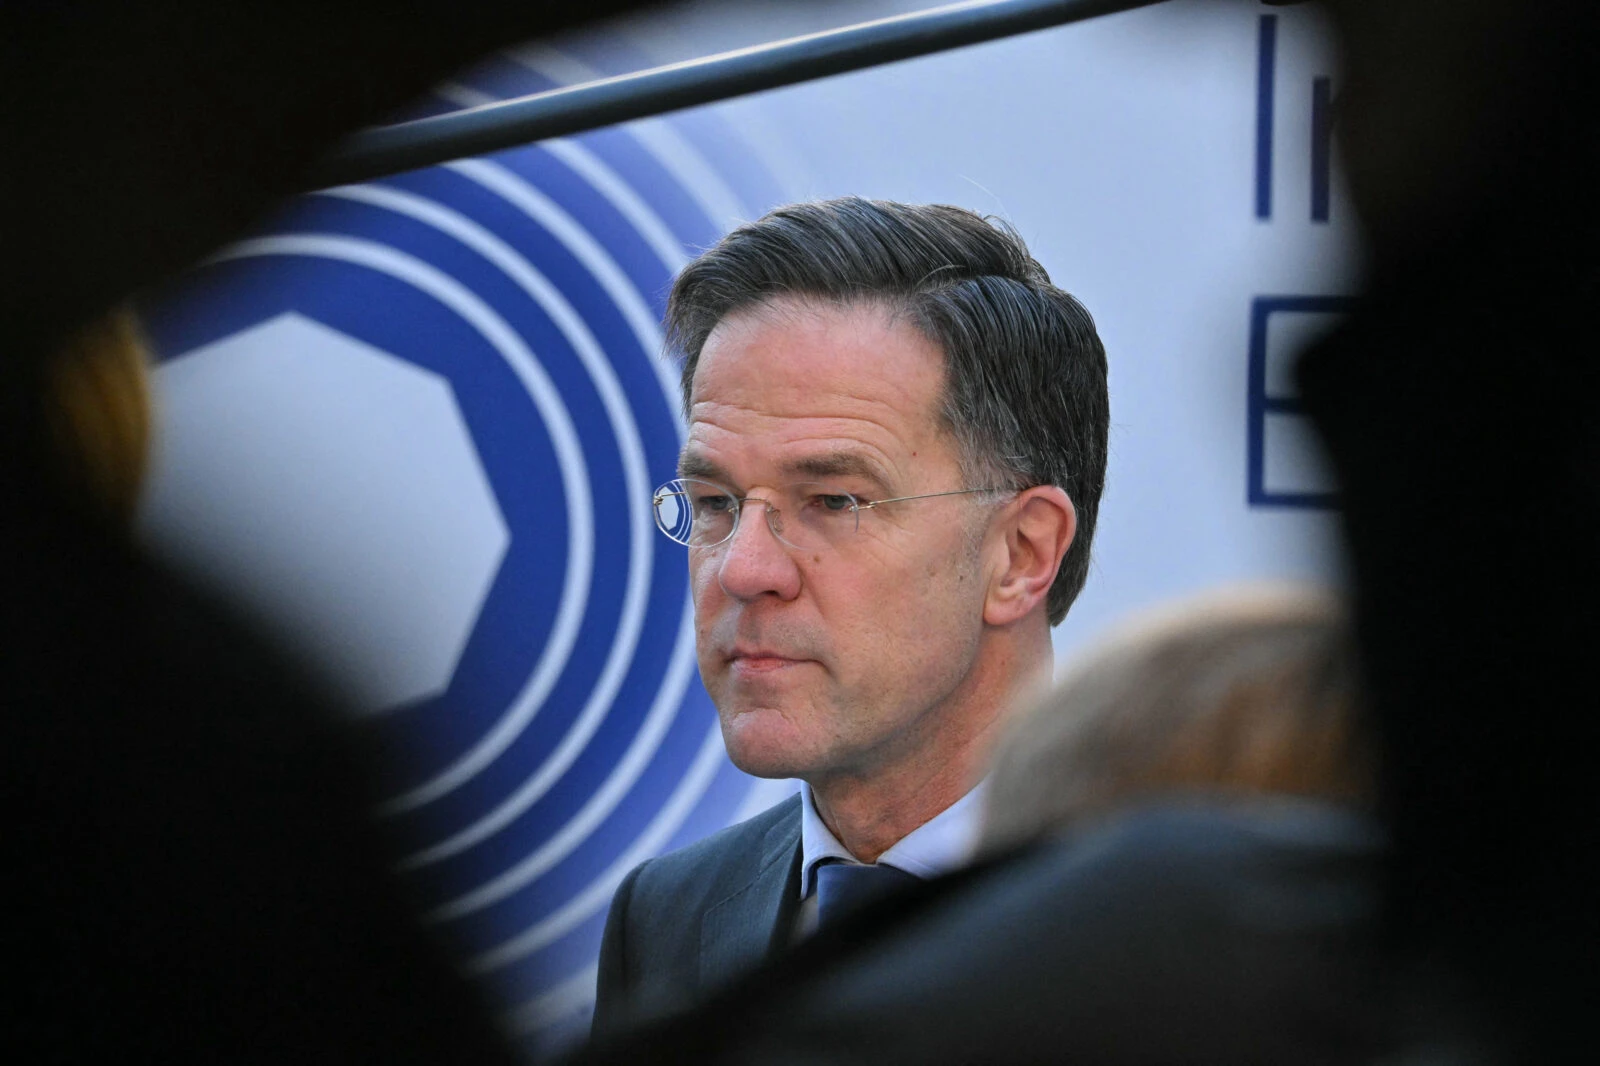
(572, 739)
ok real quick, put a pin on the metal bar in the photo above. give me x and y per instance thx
(383, 150)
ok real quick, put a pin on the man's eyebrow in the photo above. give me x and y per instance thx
(692, 465)
(839, 464)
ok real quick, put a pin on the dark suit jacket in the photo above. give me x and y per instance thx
(687, 922)
(1199, 932)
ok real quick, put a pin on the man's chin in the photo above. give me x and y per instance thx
(763, 742)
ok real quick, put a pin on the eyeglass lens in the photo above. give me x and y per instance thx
(806, 515)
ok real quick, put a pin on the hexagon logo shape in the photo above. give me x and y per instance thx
(334, 490)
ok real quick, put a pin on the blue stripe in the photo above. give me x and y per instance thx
(1266, 62)
(1321, 147)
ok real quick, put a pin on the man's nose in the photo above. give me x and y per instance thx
(754, 562)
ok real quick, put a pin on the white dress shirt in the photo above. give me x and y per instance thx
(943, 843)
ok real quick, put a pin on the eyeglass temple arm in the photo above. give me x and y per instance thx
(927, 495)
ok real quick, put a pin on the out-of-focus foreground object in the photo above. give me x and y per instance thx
(1458, 411)
(194, 873)
(1234, 694)
(100, 393)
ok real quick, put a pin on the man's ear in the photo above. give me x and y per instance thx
(1037, 529)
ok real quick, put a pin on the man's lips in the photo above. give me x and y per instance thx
(761, 660)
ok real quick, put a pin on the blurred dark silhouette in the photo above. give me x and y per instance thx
(193, 872)
(1458, 410)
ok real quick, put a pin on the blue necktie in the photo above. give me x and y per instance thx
(844, 886)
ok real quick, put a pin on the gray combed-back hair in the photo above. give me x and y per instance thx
(1025, 392)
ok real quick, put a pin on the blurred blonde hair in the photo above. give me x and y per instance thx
(98, 401)
(1244, 691)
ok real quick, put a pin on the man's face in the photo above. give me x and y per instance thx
(847, 660)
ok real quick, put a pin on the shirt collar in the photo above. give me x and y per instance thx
(943, 843)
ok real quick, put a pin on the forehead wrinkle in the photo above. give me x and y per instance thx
(843, 422)
(714, 452)
(792, 393)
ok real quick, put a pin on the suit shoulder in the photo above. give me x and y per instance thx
(730, 855)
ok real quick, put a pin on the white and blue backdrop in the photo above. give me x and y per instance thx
(415, 423)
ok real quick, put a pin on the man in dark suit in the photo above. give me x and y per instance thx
(912, 420)
(1457, 380)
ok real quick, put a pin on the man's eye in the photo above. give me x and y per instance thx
(714, 504)
(833, 503)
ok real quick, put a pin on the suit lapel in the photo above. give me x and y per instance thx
(738, 933)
